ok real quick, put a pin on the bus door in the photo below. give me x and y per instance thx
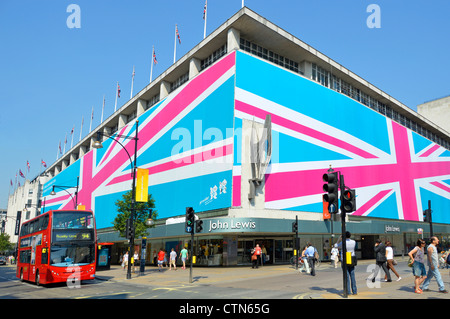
(35, 260)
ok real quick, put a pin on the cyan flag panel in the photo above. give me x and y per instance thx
(186, 142)
(394, 170)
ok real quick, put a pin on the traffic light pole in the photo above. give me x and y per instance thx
(344, 239)
(192, 254)
(296, 243)
(431, 219)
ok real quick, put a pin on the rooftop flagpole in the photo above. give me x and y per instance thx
(205, 14)
(175, 45)
(103, 108)
(132, 82)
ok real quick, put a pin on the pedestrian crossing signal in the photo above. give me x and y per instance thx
(190, 219)
(332, 188)
(349, 200)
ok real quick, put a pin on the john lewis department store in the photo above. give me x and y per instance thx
(255, 117)
(227, 241)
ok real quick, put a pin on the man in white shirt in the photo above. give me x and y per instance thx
(350, 245)
(433, 264)
(173, 257)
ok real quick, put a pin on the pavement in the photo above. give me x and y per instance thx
(327, 284)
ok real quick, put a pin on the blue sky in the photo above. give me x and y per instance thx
(51, 75)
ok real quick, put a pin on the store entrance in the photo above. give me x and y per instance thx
(367, 246)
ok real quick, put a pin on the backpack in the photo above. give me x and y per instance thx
(448, 259)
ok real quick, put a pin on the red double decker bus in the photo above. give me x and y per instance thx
(57, 246)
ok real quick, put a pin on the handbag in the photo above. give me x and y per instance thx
(254, 257)
(352, 261)
(394, 262)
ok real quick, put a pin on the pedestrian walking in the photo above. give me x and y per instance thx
(125, 261)
(161, 255)
(390, 260)
(263, 255)
(335, 255)
(173, 258)
(380, 251)
(183, 255)
(256, 256)
(417, 256)
(350, 246)
(433, 267)
(166, 255)
(311, 254)
(135, 261)
(305, 260)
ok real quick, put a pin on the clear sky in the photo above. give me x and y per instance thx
(52, 75)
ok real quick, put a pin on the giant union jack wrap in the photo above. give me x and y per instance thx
(189, 143)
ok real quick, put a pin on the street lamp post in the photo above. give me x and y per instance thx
(64, 188)
(98, 144)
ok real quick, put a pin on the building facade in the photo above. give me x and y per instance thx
(242, 128)
(438, 111)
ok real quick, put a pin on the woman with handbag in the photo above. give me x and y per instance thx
(390, 260)
(256, 256)
(417, 256)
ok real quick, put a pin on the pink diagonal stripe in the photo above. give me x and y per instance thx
(369, 204)
(181, 162)
(58, 199)
(237, 191)
(441, 186)
(250, 109)
(430, 151)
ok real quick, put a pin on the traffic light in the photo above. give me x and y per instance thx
(332, 191)
(294, 227)
(129, 231)
(349, 200)
(427, 215)
(190, 219)
(198, 226)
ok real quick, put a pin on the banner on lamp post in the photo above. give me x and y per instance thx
(142, 185)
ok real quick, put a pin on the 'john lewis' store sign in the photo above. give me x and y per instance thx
(235, 224)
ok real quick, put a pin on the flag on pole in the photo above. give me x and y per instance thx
(71, 133)
(28, 165)
(154, 61)
(65, 142)
(177, 33)
(60, 150)
(21, 174)
(205, 14)
(92, 117)
(132, 82)
(43, 163)
(10, 181)
(103, 108)
(81, 130)
(154, 56)
(177, 36)
(117, 95)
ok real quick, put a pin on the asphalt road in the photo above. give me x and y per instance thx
(240, 283)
